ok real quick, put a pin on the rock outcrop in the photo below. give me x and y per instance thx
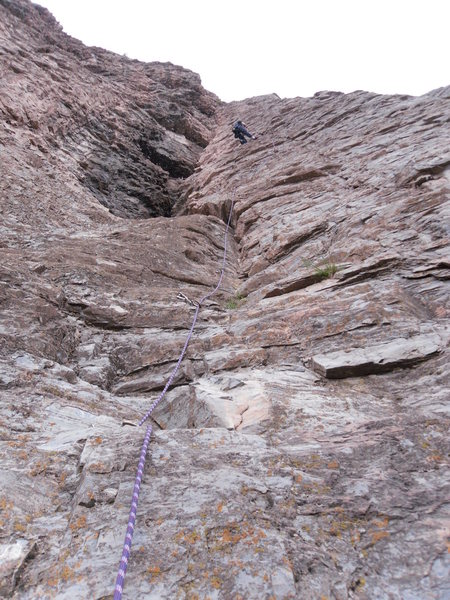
(127, 132)
(301, 452)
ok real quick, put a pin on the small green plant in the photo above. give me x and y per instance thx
(235, 302)
(231, 304)
(327, 270)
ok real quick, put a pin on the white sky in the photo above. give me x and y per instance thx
(244, 48)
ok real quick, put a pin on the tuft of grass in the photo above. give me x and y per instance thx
(231, 304)
(327, 270)
(235, 302)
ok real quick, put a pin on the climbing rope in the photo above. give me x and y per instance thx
(131, 518)
(118, 590)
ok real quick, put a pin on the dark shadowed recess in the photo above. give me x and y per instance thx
(128, 131)
(138, 179)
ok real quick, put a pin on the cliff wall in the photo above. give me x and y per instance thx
(301, 452)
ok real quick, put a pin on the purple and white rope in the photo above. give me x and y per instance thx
(118, 590)
(131, 519)
(194, 321)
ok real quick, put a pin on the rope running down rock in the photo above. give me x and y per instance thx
(118, 590)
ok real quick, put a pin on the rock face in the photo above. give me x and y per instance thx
(301, 452)
(126, 132)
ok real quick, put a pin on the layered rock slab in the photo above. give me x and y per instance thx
(398, 353)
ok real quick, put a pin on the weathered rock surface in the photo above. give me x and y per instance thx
(264, 478)
(377, 359)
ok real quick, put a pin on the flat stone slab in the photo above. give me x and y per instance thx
(400, 352)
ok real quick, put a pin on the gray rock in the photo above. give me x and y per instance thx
(381, 358)
(12, 559)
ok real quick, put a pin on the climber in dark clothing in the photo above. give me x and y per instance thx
(240, 131)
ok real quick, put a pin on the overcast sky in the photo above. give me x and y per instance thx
(244, 48)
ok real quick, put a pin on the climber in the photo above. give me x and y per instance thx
(240, 131)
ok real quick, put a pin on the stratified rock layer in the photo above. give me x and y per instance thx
(266, 476)
(377, 359)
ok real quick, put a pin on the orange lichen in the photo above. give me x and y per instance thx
(64, 573)
(14, 444)
(5, 505)
(38, 468)
(189, 537)
(381, 523)
(154, 570)
(98, 467)
(79, 523)
(379, 535)
(435, 457)
(67, 573)
(53, 581)
(227, 536)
